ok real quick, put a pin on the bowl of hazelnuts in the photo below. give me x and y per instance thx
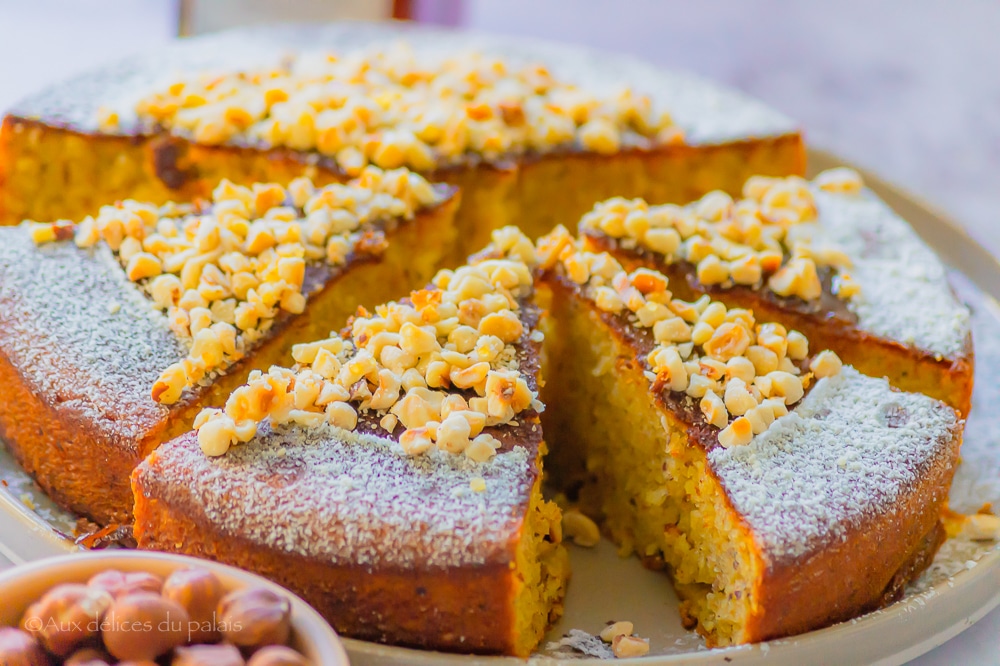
(137, 608)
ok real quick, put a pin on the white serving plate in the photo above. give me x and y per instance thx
(961, 586)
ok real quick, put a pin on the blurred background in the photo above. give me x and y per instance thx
(908, 88)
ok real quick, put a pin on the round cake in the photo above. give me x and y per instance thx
(324, 301)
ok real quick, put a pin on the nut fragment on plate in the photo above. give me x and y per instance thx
(581, 529)
(629, 646)
(982, 527)
(615, 629)
(623, 643)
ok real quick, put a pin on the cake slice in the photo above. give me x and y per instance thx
(391, 477)
(533, 134)
(114, 333)
(782, 491)
(826, 258)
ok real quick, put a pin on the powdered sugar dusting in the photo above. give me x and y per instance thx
(707, 113)
(349, 498)
(848, 451)
(83, 337)
(896, 272)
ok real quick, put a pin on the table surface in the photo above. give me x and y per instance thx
(910, 89)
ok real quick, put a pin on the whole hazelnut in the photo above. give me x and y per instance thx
(120, 583)
(208, 655)
(89, 657)
(142, 626)
(199, 592)
(255, 617)
(19, 648)
(277, 655)
(66, 617)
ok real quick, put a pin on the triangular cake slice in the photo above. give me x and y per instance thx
(782, 490)
(826, 258)
(115, 332)
(533, 134)
(391, 477)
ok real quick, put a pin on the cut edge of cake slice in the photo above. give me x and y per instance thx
(775, 514)
(392, 477)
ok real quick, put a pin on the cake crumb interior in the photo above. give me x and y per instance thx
(631, 467)
(542, 572)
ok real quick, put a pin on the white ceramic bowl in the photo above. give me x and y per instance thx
(22, 585)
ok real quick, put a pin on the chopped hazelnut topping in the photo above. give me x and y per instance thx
(392, 108)
(742, 374)
(41, 233)
(844, 286)
(481, 449)
(215, 435)
(750, 242)
(224, 271)
(825, 364)
(840, 180)
(436, 363)
(737, 433)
